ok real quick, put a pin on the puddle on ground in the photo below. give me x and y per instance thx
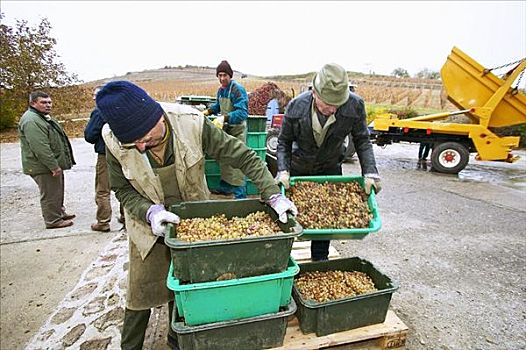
(513, 178)
(504, 176)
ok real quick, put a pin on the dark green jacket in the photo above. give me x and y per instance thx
(43, 144)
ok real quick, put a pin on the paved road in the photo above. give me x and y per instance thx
(455, 243)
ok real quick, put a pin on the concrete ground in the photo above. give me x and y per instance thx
(455, 244)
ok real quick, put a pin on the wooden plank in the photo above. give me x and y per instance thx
(391, 334)
(301, 251)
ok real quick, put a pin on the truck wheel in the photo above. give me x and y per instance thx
(272, 141)
(349, 149)
(449, 157)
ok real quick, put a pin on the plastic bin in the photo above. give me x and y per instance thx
(349, 313)
(209, 302)
(243, 257)
(212, 167)
(251, 188)
(257, 139)
(260, 332)
(256, 123)
(346, 233)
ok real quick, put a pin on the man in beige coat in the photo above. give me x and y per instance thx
(155, 156)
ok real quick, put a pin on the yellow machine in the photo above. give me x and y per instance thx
(488, 100)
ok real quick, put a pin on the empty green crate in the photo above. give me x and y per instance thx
(257, 139)
(213, 181)
(260, 151)
(206, 261)
(212, 167)
(345, 233)
(217, 301)
(348, 313)
(256, 123)
(251, 188)
(253, 333)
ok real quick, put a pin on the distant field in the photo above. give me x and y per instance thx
(167, 84)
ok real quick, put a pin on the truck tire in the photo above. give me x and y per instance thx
(449, 157)
(349, 149)
(272, 141)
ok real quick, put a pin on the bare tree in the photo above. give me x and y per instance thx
(28, 61)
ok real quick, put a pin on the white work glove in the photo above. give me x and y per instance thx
(283, 177)
(218, 122)
(281, 206)
(157, 216)
(372, 181)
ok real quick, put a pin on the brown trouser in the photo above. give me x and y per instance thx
(102, 190)
(51, 196)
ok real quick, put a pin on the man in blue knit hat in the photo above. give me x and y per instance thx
(232, 104)
(155, 153)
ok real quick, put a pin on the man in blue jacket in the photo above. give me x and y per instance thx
(232, 103)
(93, 135)
(313, 131)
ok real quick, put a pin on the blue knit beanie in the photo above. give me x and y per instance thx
(128, 109)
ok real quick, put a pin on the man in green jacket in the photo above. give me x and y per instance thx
(46, 153)
(156, 154)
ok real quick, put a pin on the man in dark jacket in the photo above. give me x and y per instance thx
(46, 153)
(313, 131)
(93, 135)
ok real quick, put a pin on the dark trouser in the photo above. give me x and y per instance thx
(135, 324)
(319, 249)
(102, 190)
(51, 196)
(423, 150)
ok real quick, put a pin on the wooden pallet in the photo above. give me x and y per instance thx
(301, 251)
(391, 334)
(382, 336)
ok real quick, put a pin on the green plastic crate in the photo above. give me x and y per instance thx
(257, 139)
(346, 233)
(251, 188)
(243, 257)
(217, 301)
(261, 153)
(348, 313)
(256, 123)
(212, 167)
(253, 333)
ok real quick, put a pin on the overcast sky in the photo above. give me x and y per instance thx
(102, 39)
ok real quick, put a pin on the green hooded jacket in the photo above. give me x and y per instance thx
(43, 144)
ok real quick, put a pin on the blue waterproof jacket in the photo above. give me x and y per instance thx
(93, 131)
(239, 99)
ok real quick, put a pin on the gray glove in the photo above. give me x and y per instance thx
(281, 206)
(372, 181)
(283, 177)
(157, 216)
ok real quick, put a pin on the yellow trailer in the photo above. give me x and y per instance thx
(488, 100)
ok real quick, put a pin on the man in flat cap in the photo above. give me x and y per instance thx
(232, 104)
(155, 155)
(313, 131)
